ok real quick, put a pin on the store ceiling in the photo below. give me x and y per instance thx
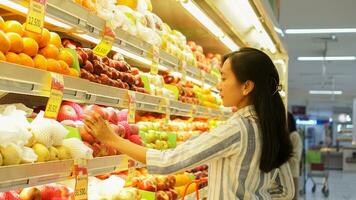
(305, 76)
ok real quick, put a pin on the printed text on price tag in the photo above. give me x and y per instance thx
(55, 97)
(35, 16)
(81, 179)
(106, 43)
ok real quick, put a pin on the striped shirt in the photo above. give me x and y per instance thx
(232, 151)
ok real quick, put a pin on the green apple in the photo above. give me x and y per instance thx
(150, 136)
(163, 136)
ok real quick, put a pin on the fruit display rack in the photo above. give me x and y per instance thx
(16, 79)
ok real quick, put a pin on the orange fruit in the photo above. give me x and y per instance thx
(32, 35)
(73, 72)
(66, 57)
(55, 40)
(13, 26)
(26, 60)
(13, 58)
(40, 62)
(50, 51)
(53, 65)
(16, 42)
(2, 56)
(30, 46)
(2, 23)
(4, 42)
(64, 67)
(45, 37)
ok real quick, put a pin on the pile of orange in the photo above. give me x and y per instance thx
(41, 51)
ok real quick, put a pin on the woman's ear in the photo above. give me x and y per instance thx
(248, 87)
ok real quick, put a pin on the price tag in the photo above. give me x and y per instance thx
(155, 60)
(108, 37)
(132, 106)
(166, 104)
(81, 179)
(182, 68)
(35, 16)
(55, 97)
(123, 165)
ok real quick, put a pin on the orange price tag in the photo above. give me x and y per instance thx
(55, 97)
(104, 47)
(35, 16)
(81, 179)
(155, 60)
(132, 106)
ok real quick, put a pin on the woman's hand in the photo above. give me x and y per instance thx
(99, 128)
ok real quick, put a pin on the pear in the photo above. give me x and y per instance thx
(63, 153)
(11, 154)
(53, 153)
(42, 152)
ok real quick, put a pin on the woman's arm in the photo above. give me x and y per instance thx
(284, 178)
(220, 142)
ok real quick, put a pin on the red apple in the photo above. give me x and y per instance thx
(161, 195)
(96, 109)
(87, 137)
(96, 149)
(122, 115)
(50, 192)
(118, 56)
(134, 71)
(127, 129)
(113, 118)
(78, 109)
(134, 129)
(135, 139)
(9, 196)
(67, 112)
(147, 185)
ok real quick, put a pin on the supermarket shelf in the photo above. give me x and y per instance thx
(26, 175)
(30, 81)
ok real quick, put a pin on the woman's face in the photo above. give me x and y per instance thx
(232, 91)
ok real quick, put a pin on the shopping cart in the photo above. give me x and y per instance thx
(316, 169)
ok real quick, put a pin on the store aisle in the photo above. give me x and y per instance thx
(342, 187)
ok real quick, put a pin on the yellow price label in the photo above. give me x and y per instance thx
(123, 164)
(81, 179)
(104, 46)
(155, 60)
(55, 97)
(132, 106)
(35, 16)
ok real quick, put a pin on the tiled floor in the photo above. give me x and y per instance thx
(342, 186)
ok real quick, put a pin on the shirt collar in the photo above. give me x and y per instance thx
(247, 111)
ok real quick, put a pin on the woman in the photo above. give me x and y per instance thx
(294, 161)
(246, 152)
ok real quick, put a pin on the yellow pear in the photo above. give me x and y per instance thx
(53, 153)
(11, 154)
(31, 141)
(63, 153)
(42, 152)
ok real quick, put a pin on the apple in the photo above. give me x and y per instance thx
(104, 151)
(78, 109)
(118, 129)
(9, 196)
(135, 139)
(88, 66)
(127, 129)
(122, 115)
(118, 56)
(135, 71)
(67, 112)
(87, 137)
(134, 130)
(30, 194)
(96, 149)
(96, 109)
(50, 192)
(161, 195)
(163, 136)
(174, 194)
(147, 185)
(113, 118)
(150, 136)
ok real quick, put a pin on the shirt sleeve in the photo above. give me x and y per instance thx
(294, 161)
(219, 142)
(284, 179)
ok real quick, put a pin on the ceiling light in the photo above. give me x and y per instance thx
(24, 10)
(279, 61)
(229, 43)
(278, 30)
(319, 31)
(194, 10)
(327, 58)
(326, 92)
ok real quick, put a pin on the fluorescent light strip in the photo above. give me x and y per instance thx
(326, 92)
(24, 10)
(327, 58)
(202, 18)
(278, 30)
(229, 43)
(320, 31)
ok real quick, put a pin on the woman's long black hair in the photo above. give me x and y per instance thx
(254, 65)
